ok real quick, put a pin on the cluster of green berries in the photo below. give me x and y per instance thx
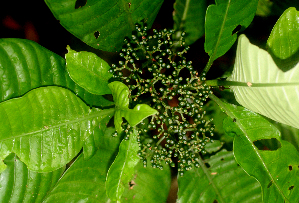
(157, 73)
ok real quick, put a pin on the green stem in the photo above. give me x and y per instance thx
(246, 84)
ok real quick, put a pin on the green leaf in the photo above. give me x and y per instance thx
(134, 116)
(88, 71)
(84, 180)
(189, 16)
(103, 24)
(266, 89)
(219, 179)
(148, 185)
(18, 184)
(283, 41)
(25, 65)
(46, 127)
(122, 169)
(276, 169)
(222, 19)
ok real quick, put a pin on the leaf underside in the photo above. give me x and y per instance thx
(277, 93)
(103, 24)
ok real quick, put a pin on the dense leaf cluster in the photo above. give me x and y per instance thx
(155, 69)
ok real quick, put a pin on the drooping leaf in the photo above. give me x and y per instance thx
(283, 41)
(25, 65)
(88, 71)
(148, 185)
(134, 116)
(267, 89)
(18, 184)
(219, 179)
(84, 181)
(221, 21)
(189, 16)
(276, 169)
(46, 127)
(103, 24)
(122, 169)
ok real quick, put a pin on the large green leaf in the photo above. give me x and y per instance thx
(222, 19)
(84, 181)
(46, 127)
(219, 179)
(283, 41)
(148, 185)
(89, 71)
(134, 116)
(266, 89)
(103, 24)
(25, 65)
(189, 16)
(122, 169)
(18, 184)
(276, 169)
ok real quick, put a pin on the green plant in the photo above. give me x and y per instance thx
(63, 138)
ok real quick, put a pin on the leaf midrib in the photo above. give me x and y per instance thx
(66, 122)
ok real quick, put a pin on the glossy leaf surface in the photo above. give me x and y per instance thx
(84, 181)
(134, 116)
(189, 16)
(18, 184)
(46, 127)
(25, 65)
(148, 185)
(103, 24)
(267, 89)
(222, 19)
(276, 169)
(88, 71)
(219, 179)
(283, 41)
(122, 169)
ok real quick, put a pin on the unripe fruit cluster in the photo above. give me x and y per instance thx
(157, 73)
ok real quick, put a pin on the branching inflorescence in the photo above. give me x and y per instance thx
(156, 71)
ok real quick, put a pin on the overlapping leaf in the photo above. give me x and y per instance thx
(134, 116)
(283, 42)
(220, 179)
(18, 184)
(25, 65)
(103, 24)
(222, 19)
(276, 169)
(88, 71)
(122, 169)
(267, 89)
(189, 16)
(46, 127)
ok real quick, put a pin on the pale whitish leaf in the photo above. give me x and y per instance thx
(266, 89)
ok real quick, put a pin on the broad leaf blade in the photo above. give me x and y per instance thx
(148, 185)
(46, 127)
(269, 91)
(283, 41)
(84, 181)
(88, 71)
(25, 65)
(222, 19)
(189, 16)
(276, 169)
(18, 184)
(222, 181)
(122, 169)
(103, 24)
